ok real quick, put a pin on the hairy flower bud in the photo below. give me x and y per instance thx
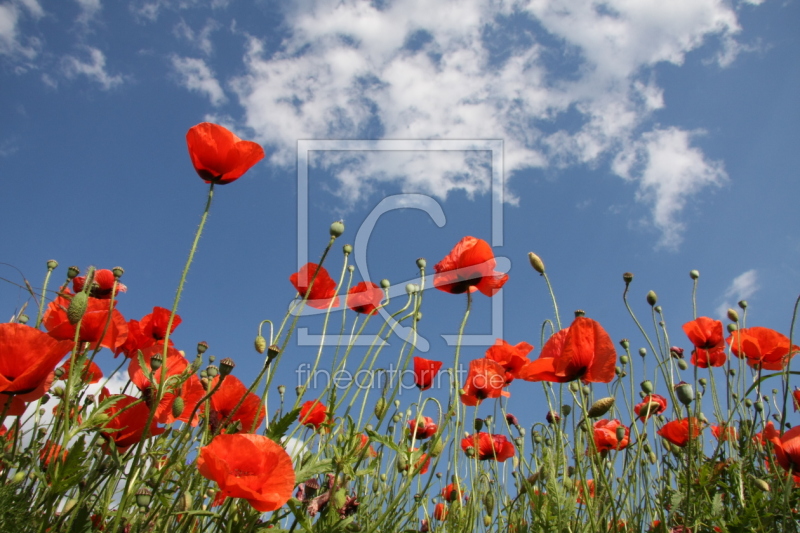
(536, 262)
(77, 307)
(260, 344)
(600, 407)
(684, 392)
(652, 298)
(647, 386)
(177, 407)
(381, 406)
(733, 316)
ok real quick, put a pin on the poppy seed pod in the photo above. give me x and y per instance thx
(685, 393)
(73, 271)
(652, 298)
(566, 409)
(536, 262)
(627, 277)
(143, 497)
(647, 386)
(118, 271)
(202, 346)
(226, 366)
(337, 228)
(732, 327)
(421, 263)
(156, 361)
(260, 344)
(52, 264)
(273, 351)
(77, 307)
(212, 371)
(23, 319)
(347, 249)
(694, 274)
(281, 389)
(600, 407)
(385, 284)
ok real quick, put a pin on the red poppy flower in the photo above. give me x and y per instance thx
(724, 432)
(488, 446)
(796, 398)
(452, 493)
(218, 155)
(584, 350)
(787, 450)
(323, 290)
(513, 358)
(422, 463)
(677, 431)
(90, 373)
(424, 372)
(313, 413)
(440, 511)
(469, 267)
(102, 285)
(652, 404)
(763, 437)
(27, 358)
(590, 486)
(252, 467)
(51, 452)
(762, 346)
(190, 391)
(605, 436)
(426, 427)
(93, 323)
(227, 398)
(364, 298)
(707, 337)
(14, 404)
(154, 325)
(363, 442)
(485, 379)
(128, 416)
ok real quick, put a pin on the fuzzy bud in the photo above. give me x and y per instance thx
(694, 274)
(536, 262)
(337, 228)
(684, 392)
(732, 327)
(652, 298)
(623, 359)
(682, 364)
(177, 407)
(761, 484)
(487, 521)
(733, 316)
(381, 406)
(647, 386)
(566, 409)
(600, 407)
(77, 307)
(260, 344)
(743, 304)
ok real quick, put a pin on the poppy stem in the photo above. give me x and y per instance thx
(788, 367)
(553, 297)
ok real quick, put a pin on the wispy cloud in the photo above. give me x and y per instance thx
(94, 68)
(196, 76)
(14, 45)
(89, 9)
(562, 83)
(742, 287)
(201, 39)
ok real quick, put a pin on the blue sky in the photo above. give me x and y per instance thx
(643, 136)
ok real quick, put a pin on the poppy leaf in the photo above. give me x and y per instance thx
(278, 428)
(73, 470)
(386, 441)
(300, 514)
(82, 521)
(314, 468)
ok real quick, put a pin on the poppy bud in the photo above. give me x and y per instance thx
(652, 458)
(478, 424)
(72, 272)
(202, 346)
(642, 352)
(618, 370)
(226, 366)
(18, 478)
(281, 389)
(732, 327)
(487, 521)
(536, 262)
(652, 298)
(511, 419)
(623, 359)
(566, 409)
(759, 406)
(435, 449)
(747, 402)
(177, 407)
(694, 274)
(273, 351)
(647, 386)
(212, 358)
(627, 277)
(702, 381)
(574, 387)
(347, 249)
(396, 419)
(118, 272)
(385, 283)
(411, 288)
(45, 399)
(205, 383)
(59, 372)
(761, 484)
(421, 263)
(351, 268)
(625, 343)
(337, 228)
(156, 361)
(470, 451)
(77, 307)
(743, 304)
(600, 407)
(658, 310)
(52, 264)
(620, 433)
(260, 344)
(552, 417)
(58, 392)
(381, 407)
(212, 371)
(684, 392)
(143, 497)
(186, 502)
(402, 462)
(682, 364)
(675, 352)
(733, 316)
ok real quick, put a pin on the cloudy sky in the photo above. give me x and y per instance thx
(644, 136)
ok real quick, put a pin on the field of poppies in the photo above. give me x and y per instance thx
(632, 440)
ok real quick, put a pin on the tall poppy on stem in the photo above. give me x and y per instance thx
(127, 418)
(424, 372)
(652, 404)
(707, 337)
(102, 284)
(425, 429)
(485, 379)
(582, 351)
(513, 358)
(762, 347)
(677, 431)
(320, 294)
(313, 413)
(225, 400)
(218, 155)
(488, 446)
(605, 436)
(786, 449)
(365, 298)
(469, 267)
(93, 324)
(252, 467)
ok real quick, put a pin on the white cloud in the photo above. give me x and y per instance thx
(669, 171)
(12, 44)
(742, 287)
(561, 82)
(89, 8)
(200, 39)
(195, 75)
(94, 68)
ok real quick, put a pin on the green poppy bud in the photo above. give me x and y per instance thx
(385, 283)
(260, 344)
(600, 407)
(652, 298)
(177, 407)
(733, 316)
(682, 364)
(536, 262)
(347, 249)
(647, 386)
(694, 274)
(337, 228)
(77, 307)
(421, 263)
(685, 393)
